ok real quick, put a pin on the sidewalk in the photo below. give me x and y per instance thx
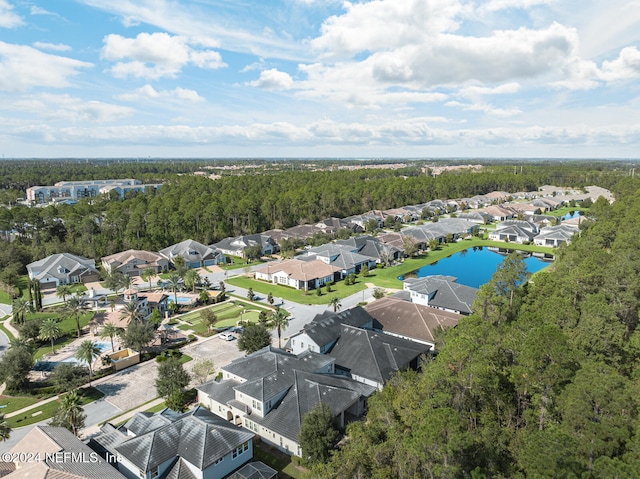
(95, 428)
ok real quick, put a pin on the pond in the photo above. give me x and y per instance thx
(571, 214)
(473, 267)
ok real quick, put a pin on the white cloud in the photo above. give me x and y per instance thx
(485, 108)
(56, 47)
(147, 92)
(273, 79)
(625, 67)
(155, 55)
(9, 19)
(67, 108)
(34, 68)
(35, 10)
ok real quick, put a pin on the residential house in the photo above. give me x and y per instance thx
(63, 268)
(54, 452)
(555, 236)
(321, 334)
(133, 262)
(196, 255)
(514, 231)
(498, 196)
(397, 240)
(339, 256)
(303, 275)
(236, 246)
(441, 292)
(499, 212)
(193, 445)
(372, 357)
(398, 317)
(477, 216)
(269, 392)
(371, 246)
(439, 230)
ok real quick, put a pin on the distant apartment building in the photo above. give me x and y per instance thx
(76, 190)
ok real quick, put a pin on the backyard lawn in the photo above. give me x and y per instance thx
(67, 326)
(289, 294)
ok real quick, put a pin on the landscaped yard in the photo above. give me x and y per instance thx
(48, 410)
(67, 326)
(228, 314)
(279, 461)
(289, 294)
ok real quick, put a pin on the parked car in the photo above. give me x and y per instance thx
(226, 336)
(237, 329)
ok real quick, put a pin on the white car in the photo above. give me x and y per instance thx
(226, 336)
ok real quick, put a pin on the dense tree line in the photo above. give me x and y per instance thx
(540, 382)
(189, 206)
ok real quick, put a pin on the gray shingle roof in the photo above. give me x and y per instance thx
(444, 292)
(326, 327)
(198, 436)
(373, 355)
(61, 266)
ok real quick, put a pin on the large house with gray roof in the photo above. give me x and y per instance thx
(236, 246)
(369, 246)
(441, 292)
(269, 392)
(170, 445)
(196, 255)
(63, 268)
(554, 236)
(514, 231)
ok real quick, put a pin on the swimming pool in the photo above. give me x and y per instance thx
(44, 365)
(185, 299)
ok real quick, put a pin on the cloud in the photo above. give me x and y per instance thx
(273, 80)
(34, 68)
(9, 19)
(147, 92)
(67, 108)
(485, 108)
(155, 55)
(625, 67)
(496, 5)
(57, 47)
(35, 10)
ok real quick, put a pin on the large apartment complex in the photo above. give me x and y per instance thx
(75, 190)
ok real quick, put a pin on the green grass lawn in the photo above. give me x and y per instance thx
(289, 294)
(67, 326)
(9, 404)
(5, 298)
(48, 410)
(4, 329)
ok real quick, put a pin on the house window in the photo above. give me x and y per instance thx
(218, 461)
(153, 472)
(245, 446)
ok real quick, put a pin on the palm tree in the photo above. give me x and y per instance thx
(147, 274)
(50, 331)
(191, 279)
(279, 321)
(87, 352)
(5, 429)
(64, 290)
(131, 312)
(110, 330)
(125, 282)
(74, 306)
(335, 302)
(70, 414)
(174, 282)
(19, 308)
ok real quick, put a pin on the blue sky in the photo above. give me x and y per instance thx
(320, 78)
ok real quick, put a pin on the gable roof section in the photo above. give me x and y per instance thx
(444, 292)
(395, 315)
(149, 257)
(326, 327)
(373, 355)
(337, 255)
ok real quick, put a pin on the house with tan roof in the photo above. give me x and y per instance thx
(303, 275)
(54, 452)
(398, 317)
(132, 262)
